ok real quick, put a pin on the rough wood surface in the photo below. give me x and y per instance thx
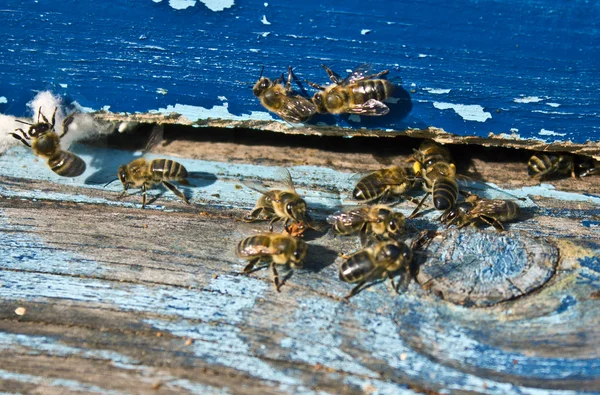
(99, 296)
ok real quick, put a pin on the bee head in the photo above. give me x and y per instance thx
(319, 102)
(395, 223)
(296, 209)
(261, 85)
(455, 214)
(122, 173)
(298, 255)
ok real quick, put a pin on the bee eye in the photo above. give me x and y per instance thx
(288, 207)
(392, 225)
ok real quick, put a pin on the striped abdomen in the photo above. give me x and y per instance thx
(254, 246)
(167, 169)
(444, 193)
(358, 267)
(542, 165)
(363, 91)
(369, 188)
(66, 164)
(505, 210)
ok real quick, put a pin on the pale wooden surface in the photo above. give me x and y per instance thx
(113, 293)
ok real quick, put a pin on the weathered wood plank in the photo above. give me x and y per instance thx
(517, 69)
(100, 278)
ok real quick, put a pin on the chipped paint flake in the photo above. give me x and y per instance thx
(553, 104)
(265, 21)
(545, 132)
(3, 99)
(265, 34)
(181, 4)
(437, 91)
(194, 113)
(468, 112)
(218, 5)
(162, 91)
(365, 31)
(528, 99)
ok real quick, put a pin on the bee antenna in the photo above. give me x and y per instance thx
(26, 123)
(110, 182)
(261, 72)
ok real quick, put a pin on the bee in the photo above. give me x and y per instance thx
(143, 173)
(432, 164)
(277, 98)
(541, 166)
(280, 205)
(45, 143)
(378, 221)
(276, 249)
(356, 94)
(383, 183)
(374, 261)
(475, 210)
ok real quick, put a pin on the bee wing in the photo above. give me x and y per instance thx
(371, 108)
(489, 207)
(283, 176)
(297, 109)
(254, 250)
(348, 218)
(283, 179)
(257, 186)
(156, 136)
(358, 73)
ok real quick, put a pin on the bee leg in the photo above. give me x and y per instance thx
(275, 277)
(355, 290)
(409, 198)
(288, 84)
(492, 222)
(374, 76)
(250, 266)
(144, 195)
(53, 117)
(286, 225)
(332, 76)
(394, 285)
(252, 215)
(316, 86)
(176, 191)
(416, 210)
(275, 219)
(21, 139)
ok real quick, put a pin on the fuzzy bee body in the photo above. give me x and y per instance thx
(45, 143)
(274, 249)
(383, 183)
(433, 165)
(541, 166)
(374, 261)
(277, 98)
(356, 94)
(279, 204)
(475, 210)
(378, 221)
(143, 173)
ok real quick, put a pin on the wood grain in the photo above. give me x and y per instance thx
(113, 294)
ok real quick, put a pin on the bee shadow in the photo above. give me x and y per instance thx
(319, 257)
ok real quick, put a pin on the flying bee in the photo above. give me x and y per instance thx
(277, 98)
(279, 204)
(356, 94)
(378, 221)
(432, 164)
(475, 210)
(45, 143)
(384, 183)
(275, 249)
(541, 166)
(374, 261)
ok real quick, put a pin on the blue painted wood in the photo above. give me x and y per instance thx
(90, 266)
(527, 69)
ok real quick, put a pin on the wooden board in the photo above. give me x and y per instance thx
(515, 71)
(113, 294)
